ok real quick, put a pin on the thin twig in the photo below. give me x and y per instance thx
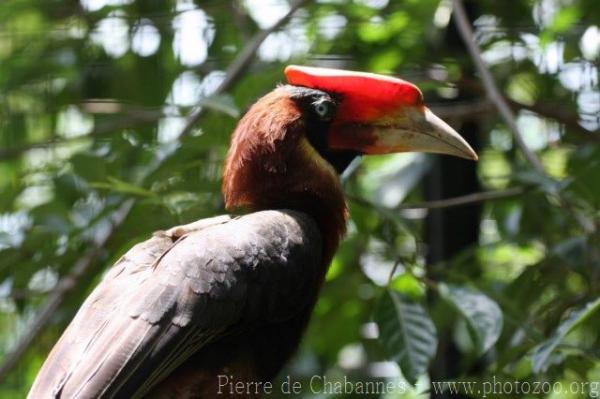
(466, 199)
(494, 94)
(84, 264)
(450, 202)
(392, 272)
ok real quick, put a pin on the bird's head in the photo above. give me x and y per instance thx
(289, 148)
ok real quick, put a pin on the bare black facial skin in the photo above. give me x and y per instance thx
(319, 109)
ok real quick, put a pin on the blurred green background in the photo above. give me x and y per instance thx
(95, 96)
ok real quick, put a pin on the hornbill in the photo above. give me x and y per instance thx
(232, 295)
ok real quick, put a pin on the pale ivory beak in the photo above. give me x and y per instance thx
(445, 140)
(416, 129)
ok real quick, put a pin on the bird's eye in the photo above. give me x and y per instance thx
(323, 109)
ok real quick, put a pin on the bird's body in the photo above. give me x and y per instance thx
(229, 298)
(252, 276)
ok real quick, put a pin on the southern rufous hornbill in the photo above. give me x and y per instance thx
(232, 295)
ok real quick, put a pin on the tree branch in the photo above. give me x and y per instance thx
(239, 65)
(482, 106)
(466, 199)
(464, 28)
(545, 109)
(448, 202)
(84, 264)
(138, 117)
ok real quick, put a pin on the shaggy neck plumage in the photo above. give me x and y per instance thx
(271, 165)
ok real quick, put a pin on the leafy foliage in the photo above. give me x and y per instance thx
(543, 351)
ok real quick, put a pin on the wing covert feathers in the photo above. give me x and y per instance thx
(173, 294)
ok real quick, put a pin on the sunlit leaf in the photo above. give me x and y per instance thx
(565, 18)
(408, 285)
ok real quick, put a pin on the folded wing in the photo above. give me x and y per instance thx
(168, 297)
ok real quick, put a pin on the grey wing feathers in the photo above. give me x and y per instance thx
(164, 300)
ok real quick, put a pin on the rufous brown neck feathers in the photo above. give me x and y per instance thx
(271, 165)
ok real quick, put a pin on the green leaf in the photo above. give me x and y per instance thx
(542, 352)
(407, 334)
(408, 285)
(117, 185)
(565, 19)
(483, 315)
